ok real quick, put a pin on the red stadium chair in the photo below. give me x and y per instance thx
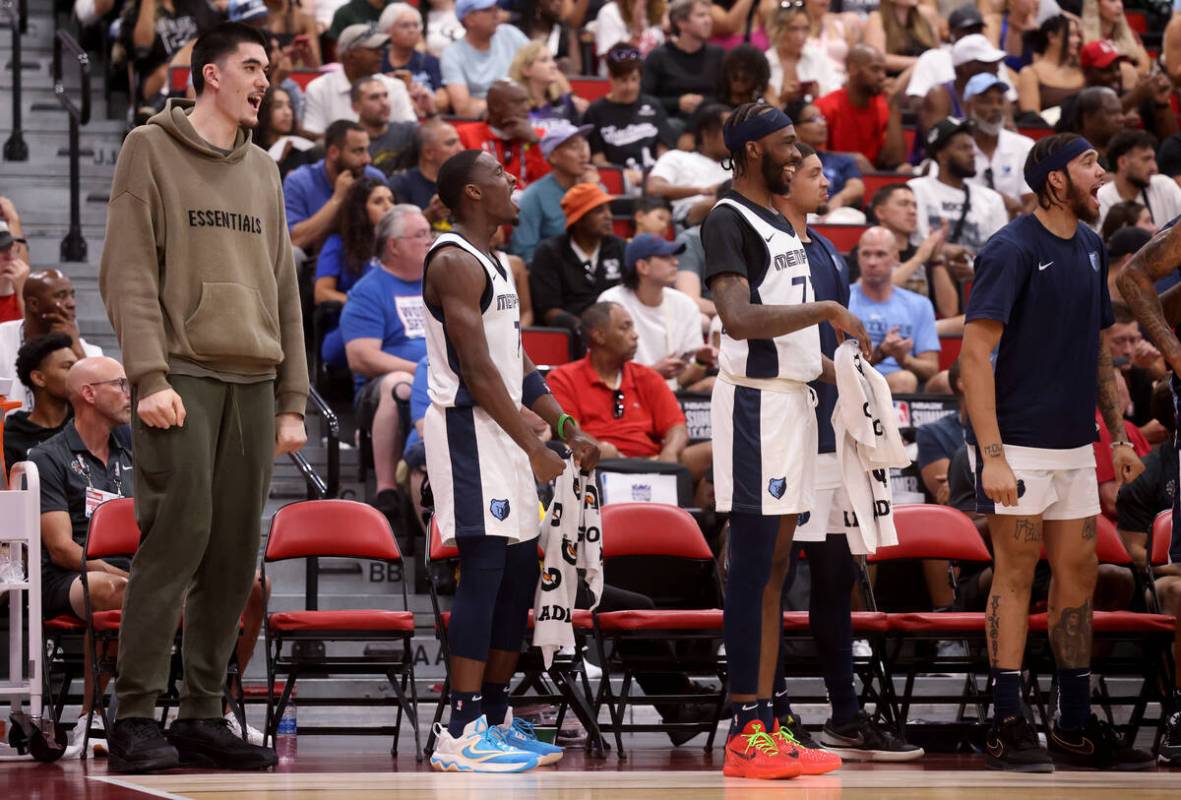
(1137, 21)
(304, 76)
(550, 347)
(589, 87)
(1148, 635)
(178, 81)
(908, 135)
(666, 538)
(612, 179)
(339, 529)
(564, 673)
(949, 350)
(1035, 133)
(845, 237)
(623, 227)
(876, 180)
(941, 533)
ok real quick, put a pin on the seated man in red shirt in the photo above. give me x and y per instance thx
(626, 407)
(861, 119)
(1104, 471)
(507, 133)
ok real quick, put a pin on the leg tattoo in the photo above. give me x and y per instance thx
(994, 626)
(1089, 529)
(1029, 531)
(1070, 636)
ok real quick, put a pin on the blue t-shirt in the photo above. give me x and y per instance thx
(912, 314)
(423, 67)
(479, 69)
(420, 401)
(413, 187)
(830, 281)
(383, 306)
(541, 217)
(307, 188)
(939, 439)
(839, 169)
(1051, 295)
(331, 264)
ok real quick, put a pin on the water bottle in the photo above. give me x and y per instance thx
(285, 741)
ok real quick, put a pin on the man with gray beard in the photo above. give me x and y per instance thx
(1000, 153)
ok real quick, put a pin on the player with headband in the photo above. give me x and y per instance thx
(1040, 303)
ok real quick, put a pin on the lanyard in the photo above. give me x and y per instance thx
(84, 467)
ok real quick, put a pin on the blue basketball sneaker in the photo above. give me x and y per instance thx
(520, 734)
(481, 748)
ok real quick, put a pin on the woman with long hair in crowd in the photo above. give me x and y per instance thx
(903, 30)
(832, 33)
(742, 22)
(346, 256)
(277, 132)
(799, 68)
(639, 23)
(1055, 73)
(1009, 29)
(550, 98)
(1105, 19)
(745, 76)
(1126, 214)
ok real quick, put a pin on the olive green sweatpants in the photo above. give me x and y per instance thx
(199, 496)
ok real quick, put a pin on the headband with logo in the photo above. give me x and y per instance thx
(754, 128)
(1036, 174)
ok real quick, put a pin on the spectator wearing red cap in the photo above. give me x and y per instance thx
(1148, 95)
(861, 119)
(571, 270)
(566, 149)
(1132, 154)
(507, 133)
(1105, 20)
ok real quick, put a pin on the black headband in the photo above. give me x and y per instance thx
(1036, 174)
(755, 128)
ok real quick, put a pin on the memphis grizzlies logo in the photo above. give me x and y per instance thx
(776, 487)
(1094, 261)
(499, 509)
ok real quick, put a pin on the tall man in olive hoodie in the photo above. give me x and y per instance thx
(198, 279)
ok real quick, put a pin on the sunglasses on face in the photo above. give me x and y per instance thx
(622, 54)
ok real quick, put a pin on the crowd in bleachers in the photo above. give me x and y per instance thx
(610, 116)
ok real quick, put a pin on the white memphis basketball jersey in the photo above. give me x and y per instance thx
(784, 280)
(502, 330)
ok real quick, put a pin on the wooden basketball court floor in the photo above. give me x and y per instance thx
(648, 774)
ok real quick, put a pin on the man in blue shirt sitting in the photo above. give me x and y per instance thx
(383, 329)
(900, 323)
(314, 193)
(566, 149)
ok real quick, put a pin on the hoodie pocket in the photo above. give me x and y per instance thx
(231, 322)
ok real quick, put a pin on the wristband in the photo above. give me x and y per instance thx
(1122, 444)
(563, 418)
(533, 388)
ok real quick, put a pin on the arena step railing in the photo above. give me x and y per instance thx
(74, 245)
(17, 12)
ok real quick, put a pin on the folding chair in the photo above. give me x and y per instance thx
(565, 671)
(65, 637)
(1149, 636)
(339, 529)
(667, 535)
(549, 347)
(932, 532)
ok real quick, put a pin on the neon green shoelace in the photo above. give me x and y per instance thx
(761, 741)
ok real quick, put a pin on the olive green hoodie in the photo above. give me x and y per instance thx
(197, 272)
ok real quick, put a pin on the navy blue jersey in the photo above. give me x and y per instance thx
(1051, 295)
(830, 281)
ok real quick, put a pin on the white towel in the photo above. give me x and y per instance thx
(868, 446)
(572, 538)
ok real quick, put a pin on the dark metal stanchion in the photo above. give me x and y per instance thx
(16, 149)
(74, 245)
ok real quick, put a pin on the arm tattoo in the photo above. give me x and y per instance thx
(1108, 394)
(1028, 531)
(1155, 260)
(994, 626)
(991, 449)
(1070, 636)
(1088, 529)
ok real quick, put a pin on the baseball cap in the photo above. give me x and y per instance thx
(647, 245)
(1100, 53)
(1126, 241)
(6, 237)
(981, 83)
(366, 36)
(246, 10)
(974, 47)
(582, 198)
(942, 131)
(561, 133)
(966, 16)
(465, 7)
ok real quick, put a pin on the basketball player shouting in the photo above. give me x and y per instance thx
(1040, 302)
(763, 420)
(483, 458)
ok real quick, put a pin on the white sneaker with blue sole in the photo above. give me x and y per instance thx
(481, 748)
(521, 735)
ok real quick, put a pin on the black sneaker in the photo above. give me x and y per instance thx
(795, 726)
(1170, 743)
(1012, 745)
(211, 743)
(1096, 746)
(137, 745)
(862, 739)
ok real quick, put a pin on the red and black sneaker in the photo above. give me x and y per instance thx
(752, 753)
